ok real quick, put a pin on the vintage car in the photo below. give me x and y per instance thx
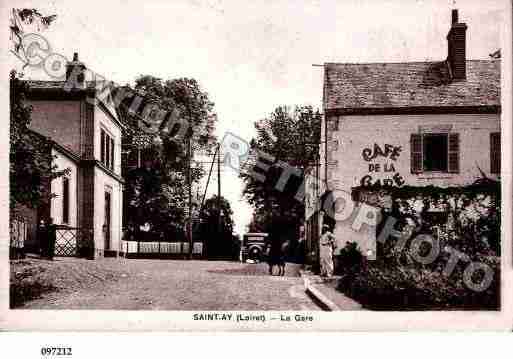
(254, 247)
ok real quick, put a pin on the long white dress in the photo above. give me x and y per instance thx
(326, 254)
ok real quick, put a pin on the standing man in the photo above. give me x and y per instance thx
(275, 256)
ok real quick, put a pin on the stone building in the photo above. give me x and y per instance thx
(82, 124)
(413, 123)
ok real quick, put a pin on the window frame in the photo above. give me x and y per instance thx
(107, 148)
(418, 153)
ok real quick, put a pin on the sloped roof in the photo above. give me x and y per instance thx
(49, 85)
(409, 84)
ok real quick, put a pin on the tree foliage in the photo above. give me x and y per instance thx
(19, 17)
(155, 197)
(210, 210)
(193, 106)
(459, 219)
(292, 137)
(157, 191)
(216, 227)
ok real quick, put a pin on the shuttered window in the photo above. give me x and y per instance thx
(111, 154)
(435, 152)
(454, 153)
(495, 152)
(102, 146)
(416, 153)
(107, 149)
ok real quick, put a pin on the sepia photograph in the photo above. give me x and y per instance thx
(257, 164)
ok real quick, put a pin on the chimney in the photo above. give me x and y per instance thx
(456, 45)
(76, 69)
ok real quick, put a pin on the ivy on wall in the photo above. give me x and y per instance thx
(465, 217)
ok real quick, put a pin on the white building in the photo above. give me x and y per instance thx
(86, 138)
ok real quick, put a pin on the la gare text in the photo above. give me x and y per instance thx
(251, 317)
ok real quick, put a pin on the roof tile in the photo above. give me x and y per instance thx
(413, 84)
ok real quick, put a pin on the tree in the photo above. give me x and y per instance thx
(156, 197)
(27, 17)
(193, 105)
(216, 227)
(292, 138)
(30, 166)
(157, 191)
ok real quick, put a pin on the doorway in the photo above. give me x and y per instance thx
(107, 222)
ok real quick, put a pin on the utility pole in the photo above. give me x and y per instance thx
(189, 182)
(219, 189)
(208, 179)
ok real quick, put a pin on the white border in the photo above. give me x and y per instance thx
(88, 320)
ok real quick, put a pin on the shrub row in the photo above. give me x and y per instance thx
(379, 285)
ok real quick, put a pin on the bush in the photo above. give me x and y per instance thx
(383, 285)
(469, 222)
(349, 260)
(396, 288)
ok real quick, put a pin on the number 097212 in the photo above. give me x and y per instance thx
(53, 351)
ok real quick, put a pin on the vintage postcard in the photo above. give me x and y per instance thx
(265, 165)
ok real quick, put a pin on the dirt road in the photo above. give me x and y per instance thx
(166, 285)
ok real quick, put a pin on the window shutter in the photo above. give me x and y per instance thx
(454, 153)
(102, 146)
(112, 154)
(416, 153)
(495, 153)
(107, 151)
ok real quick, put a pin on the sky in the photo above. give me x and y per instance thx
(252, 56)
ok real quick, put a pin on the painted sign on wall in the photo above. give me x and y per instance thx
(381, 161)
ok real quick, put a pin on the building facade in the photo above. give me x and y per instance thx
(85, 133)
(409, 124)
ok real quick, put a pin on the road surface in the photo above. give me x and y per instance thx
(133, 284)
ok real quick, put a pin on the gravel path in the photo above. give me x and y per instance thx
(132, 284)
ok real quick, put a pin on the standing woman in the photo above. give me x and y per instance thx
(326, 242)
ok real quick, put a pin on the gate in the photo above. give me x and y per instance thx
(66, 241)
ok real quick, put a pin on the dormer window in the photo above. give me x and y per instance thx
(106, 149)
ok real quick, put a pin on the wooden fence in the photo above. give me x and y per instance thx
(160, 249)
(18, 235)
